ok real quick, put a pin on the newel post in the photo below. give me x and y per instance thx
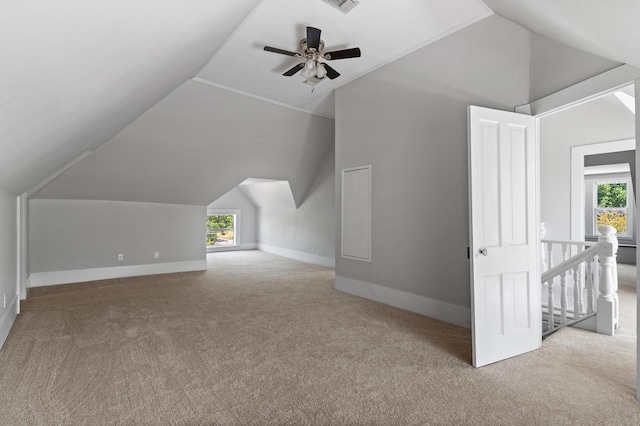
(607, 308)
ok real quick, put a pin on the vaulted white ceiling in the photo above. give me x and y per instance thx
(605, 28)
(74, 73)
(383, 30)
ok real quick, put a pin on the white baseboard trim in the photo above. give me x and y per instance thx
(302, 256)
(8, 318)
(247, 246)
(41, 279)
(443, 311)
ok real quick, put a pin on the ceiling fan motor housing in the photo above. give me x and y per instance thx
(308, 53)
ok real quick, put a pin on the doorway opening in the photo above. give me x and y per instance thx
(583, 145)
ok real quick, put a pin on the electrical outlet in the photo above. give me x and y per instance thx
(156, 255)
(120, 257)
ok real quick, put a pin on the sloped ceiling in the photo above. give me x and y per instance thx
(197, 144)
(74, 73)
(266, 193)
(383, 30)
(605, 28)
(79, 72)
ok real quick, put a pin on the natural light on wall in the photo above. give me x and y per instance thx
(628, 100)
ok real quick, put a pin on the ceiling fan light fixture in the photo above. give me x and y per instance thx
(313, 51)
(310, 64)
(307, 73)
(321, 71)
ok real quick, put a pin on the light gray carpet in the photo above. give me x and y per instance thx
(259, 339)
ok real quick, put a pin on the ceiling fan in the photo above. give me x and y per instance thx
(313, 70)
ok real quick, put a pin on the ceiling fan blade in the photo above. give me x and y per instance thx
(313, 38)
(343, 54)
(331, 73)
(281, 51)
(294, 70)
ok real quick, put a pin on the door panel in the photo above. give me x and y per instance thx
(505, 283)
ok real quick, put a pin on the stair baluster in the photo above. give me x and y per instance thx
(592, 268)
(550, 319)
(577, 297)
(563, 297)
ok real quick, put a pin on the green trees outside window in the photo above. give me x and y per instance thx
(612, 206)
(220, 229)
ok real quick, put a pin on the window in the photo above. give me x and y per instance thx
(221, 230)
(611, 206)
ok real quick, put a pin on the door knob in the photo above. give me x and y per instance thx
(483, 251)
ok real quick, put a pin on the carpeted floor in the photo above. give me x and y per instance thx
(259, 339)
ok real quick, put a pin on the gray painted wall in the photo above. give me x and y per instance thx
(569, 66)
(592, 122)
(236, 200)
(310, 228)
(80, 234)
(409, 121)
(8, 251)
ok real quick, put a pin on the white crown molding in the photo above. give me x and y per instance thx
(43, 183)
(260, 98)
(232, 35)
(582, 92)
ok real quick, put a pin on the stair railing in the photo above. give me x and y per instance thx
(593, 271)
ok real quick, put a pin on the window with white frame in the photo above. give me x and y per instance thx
(221, 230)
(612, 205)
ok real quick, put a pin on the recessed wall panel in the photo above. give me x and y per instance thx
(356, 213)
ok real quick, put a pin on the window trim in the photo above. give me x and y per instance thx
(236, 232)
(629, 208)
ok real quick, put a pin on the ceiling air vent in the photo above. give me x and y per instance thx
(343, 6)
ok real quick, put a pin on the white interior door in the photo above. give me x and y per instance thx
(505, 278)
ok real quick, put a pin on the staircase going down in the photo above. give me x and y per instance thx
(581, 290)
